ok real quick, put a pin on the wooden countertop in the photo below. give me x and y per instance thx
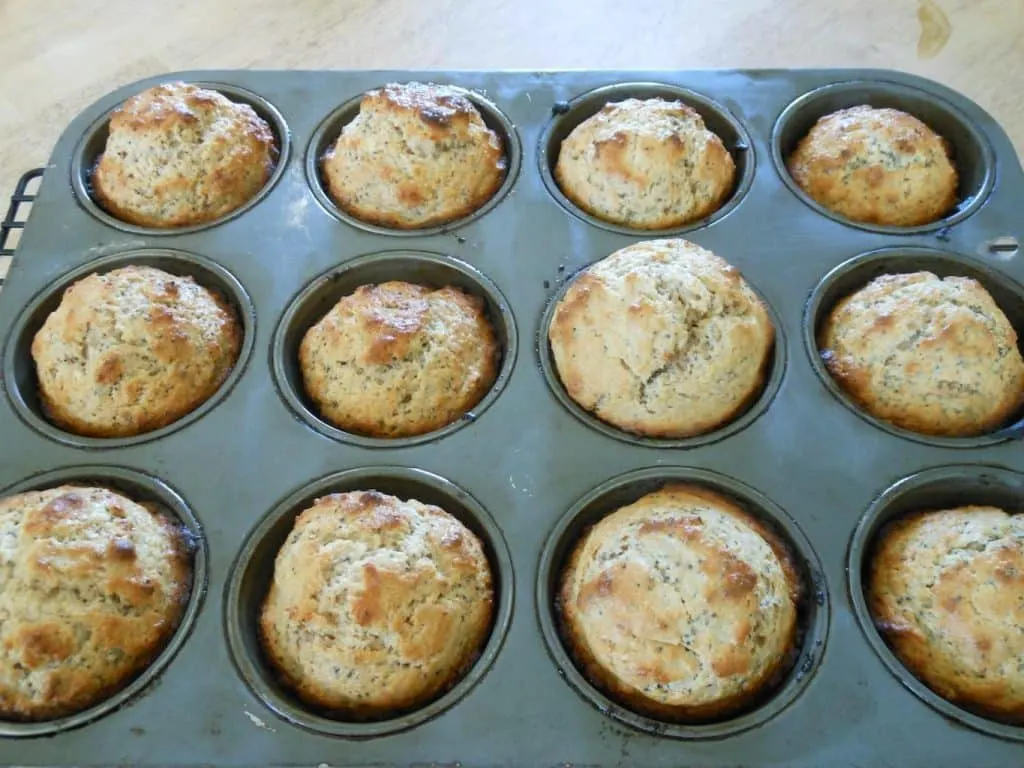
(57, 56)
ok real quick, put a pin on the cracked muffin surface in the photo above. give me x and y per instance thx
(92, 586)
(876, 166)
(931, 354)
(946, 591)
(645, 163)
(377, 604)
(133, 350)
(397, 359)
(681, 605)
(662, 338)
(179, 155)
(416, 155)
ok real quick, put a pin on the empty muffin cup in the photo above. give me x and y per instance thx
(19, 369)
(812, 607)
(253, 571)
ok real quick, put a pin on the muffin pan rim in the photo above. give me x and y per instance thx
(958, 214)
(289, 390)
(862, 542)
(81, 169)
(777, 366)
(814, 312)
(329, 129)
(813, 636)
(742, 184)
(237, 296)
(145, 680)
(526, 460)
(288, 707)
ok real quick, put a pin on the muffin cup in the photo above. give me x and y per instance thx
(813, 610)
(421, 268)
(19, 372)
(972, 155)
(938, 488)
(141, 488)
(566, 116)
(253, 570)
(326, 135)
(776, 367)
(94, 140)
(854, 274)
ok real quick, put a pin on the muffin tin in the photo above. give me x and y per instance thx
(525, 469)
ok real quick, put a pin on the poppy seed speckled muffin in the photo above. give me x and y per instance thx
(417, 155)
(876, 166)
(928, 354)
(399, 359)
(133, 350)
(946, 592)
(92, 586)
(662, 338)
(648, 164)
(681, 605)
(179, 155)
(377, 605)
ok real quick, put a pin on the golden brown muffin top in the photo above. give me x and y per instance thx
(645, 163)
(681, 604)
(92, 585)
(178, 155)
(947, 592)
(399, 359)
(876, 166)
(929, 354)
(377, 604)
(662, 338)
(416, 155)
(133, 350)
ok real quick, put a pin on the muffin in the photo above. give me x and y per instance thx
(663, 339)
(681, 605)
(132, 350)
(92, 586)
(647, 164)
(399, 359)
(377, 605)
(932, 355)
(876, 166)
(179, 155)
(946, 592)
(416, 155)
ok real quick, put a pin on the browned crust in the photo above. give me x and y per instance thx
(864, 193)
(76, 689)
(377, 515)
(635, 700)
(442, 113)
(393, 318)
(911, 642)
(161, 108)
(856, 382)
(154, 419)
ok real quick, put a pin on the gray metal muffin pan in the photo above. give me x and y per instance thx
(526, 471)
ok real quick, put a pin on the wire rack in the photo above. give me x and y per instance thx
(17, 214)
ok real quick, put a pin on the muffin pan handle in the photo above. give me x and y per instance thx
(17, 213)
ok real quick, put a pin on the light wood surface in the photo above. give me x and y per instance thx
(57, 56)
